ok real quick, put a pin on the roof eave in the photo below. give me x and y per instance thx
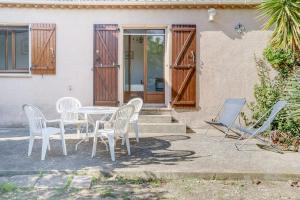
(130, 5)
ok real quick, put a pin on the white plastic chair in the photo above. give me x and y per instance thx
(38, 127)
(68, 109)
(119, 130)
(137, 103)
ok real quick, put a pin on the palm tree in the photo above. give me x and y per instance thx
(284, 17)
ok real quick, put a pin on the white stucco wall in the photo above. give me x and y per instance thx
(225, 60)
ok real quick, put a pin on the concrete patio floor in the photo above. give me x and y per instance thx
(195, 154)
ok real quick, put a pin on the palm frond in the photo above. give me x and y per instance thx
(283, 16)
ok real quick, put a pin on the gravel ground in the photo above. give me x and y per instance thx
(239, 190)
(160, 189)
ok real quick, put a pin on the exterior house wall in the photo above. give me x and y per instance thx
(225, 60)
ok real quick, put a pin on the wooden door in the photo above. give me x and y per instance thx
(105, 64)
(183, 66)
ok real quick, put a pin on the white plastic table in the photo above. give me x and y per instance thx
(90, 111)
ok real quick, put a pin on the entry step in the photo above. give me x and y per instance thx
(156, 111)
(155, 119)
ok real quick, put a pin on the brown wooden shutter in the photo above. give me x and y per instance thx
(43, 48)
(105, 64)
(183, 66)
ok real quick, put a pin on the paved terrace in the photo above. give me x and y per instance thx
(193, 154)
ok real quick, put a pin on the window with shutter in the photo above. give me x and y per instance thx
(43, 49)
(14, 49)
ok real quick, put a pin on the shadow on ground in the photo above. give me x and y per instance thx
(150, 150)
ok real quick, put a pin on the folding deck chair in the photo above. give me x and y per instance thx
(227, 115)
(253, 132)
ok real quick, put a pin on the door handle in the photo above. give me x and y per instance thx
(193, 57)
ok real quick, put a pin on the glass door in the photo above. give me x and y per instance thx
(133, 67)
(154, 66)
(144, 54)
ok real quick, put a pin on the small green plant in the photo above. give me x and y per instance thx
(107, 192)
(242, 187)
(282, 60)
(155, 182)
(68, 182)
(125, 195)
(135, 181)
(41, 174)
(7, 187)
(94, 180)
(188, 188)
(138, 181)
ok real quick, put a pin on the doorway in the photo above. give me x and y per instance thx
(144, 56)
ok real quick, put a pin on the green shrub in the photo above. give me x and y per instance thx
(107, 192)
(266, 92)
(7, 187)
(293, 97)
(282, 60)
(283, 54)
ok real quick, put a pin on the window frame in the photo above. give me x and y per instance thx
(24, 71)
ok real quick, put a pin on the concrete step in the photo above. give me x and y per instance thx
(156, 111)
(155, 119)
(161, 128)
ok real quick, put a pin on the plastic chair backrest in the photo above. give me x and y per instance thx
(35, 117)
(68, 107)
(138, 104)
(122, 119)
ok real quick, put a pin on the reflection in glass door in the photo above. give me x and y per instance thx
(144, 54)
(154, 67)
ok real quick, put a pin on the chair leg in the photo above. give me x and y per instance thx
(87, 123)
(94, 146)
(111, 143)
(136, 130)
(63, 143)
(45, 143)
(226, 135)
(127, 144)
(87, 128)
(103, 141)
(31, 141)
(49, 146)
(78, 130)
(239, 146)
